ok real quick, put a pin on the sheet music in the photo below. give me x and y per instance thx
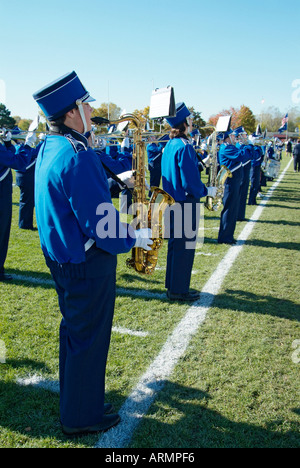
(223, 124)
(162, 103)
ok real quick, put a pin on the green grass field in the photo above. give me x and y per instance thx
(237, 384)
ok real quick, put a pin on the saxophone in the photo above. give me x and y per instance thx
(146, 214)
(216, 178)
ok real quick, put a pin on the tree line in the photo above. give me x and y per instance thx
(270, 119)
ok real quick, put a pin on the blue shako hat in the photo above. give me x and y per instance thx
(195, 132)
(60, 96)
(226, 134)
(182, 113)
(17, 134)
(238, 131)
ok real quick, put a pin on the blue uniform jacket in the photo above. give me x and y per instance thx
(9, 159)
(31, 154)
(154, 152)
(70, 190)
(121, 163)
(180, 174)
(232, 157)
(257, 156)
(249, 153)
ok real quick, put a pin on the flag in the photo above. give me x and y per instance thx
(284, 124)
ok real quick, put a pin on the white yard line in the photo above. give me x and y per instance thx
(127, 331)
(153, 380)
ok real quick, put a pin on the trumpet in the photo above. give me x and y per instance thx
(23, 134)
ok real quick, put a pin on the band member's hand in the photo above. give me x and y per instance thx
(143, 238)
(125, 144)
(212, 191)
(101, 144)
(7, 136)
(128, 178)
(30, 139)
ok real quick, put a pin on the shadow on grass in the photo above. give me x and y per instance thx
(244, 301)
(274, 245)
(33, 279)
(33, 413)
(279, 222)
(201, 427)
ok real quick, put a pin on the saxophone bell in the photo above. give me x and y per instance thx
(217, 178)
(144, 261)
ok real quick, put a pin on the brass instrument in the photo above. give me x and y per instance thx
(216, 178)
(147, 214)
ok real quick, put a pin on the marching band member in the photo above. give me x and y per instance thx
(246, 165)
(233, 158)
(196, 138)
(181, 179)
(201, 150)
(8, 160)
(82, 259)
(263, 178)
(255, 169)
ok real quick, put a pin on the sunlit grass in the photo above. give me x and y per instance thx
(237, 385)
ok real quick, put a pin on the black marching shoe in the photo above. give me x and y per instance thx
(108, 421)
(191, 296)
(108, 408)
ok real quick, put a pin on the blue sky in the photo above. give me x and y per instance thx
(215, 54)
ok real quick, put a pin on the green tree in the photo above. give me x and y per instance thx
(247, 119)
(5, 118)
(242, 117)
(198, 122)
(24, 124)
(107, 110)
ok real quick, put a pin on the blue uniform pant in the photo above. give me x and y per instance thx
(25, 182)
(87, 305)
(5, 218)
(230, 207)
(244, 192)
(254, 187)
(180, 259)
(297, 163)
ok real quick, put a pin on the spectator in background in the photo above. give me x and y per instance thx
(296, 154)
(289, 148)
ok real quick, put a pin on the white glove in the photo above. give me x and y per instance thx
(30, 139)
(128, 178)
(125, 143)
(143, 238)
(7, 136)
(101, 143)
(212, 191)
